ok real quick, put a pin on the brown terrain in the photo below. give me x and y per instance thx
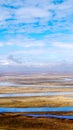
(39, 83)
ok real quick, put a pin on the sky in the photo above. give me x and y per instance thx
(36, 33)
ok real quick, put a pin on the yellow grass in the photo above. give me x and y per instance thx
(36, 101)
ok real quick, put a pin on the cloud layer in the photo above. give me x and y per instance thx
(36, 33)
(37, 16)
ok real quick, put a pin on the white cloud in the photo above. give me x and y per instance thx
(22, 41)
(6, 62)
(1, 44)
(29, 12)
(53, 21)
(63, 45)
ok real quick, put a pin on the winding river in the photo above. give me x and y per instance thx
(41, 109)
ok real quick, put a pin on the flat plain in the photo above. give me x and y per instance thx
(36, 84)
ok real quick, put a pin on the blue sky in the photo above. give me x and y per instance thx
(36, 32)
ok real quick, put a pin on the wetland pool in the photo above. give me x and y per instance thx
(40, 109)
(35, 94)
(37, 109)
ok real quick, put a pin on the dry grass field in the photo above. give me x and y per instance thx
(53, 101)
(39, 83)
(18, 122)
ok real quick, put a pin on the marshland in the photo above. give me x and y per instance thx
(36, 101)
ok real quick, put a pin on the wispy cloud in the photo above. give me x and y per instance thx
(63, 45)
(22, 41)
(38, 33)
(18, 14)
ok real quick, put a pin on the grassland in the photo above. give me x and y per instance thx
(47, 83)
(35, 89)
(53, 101)
(18, 122)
